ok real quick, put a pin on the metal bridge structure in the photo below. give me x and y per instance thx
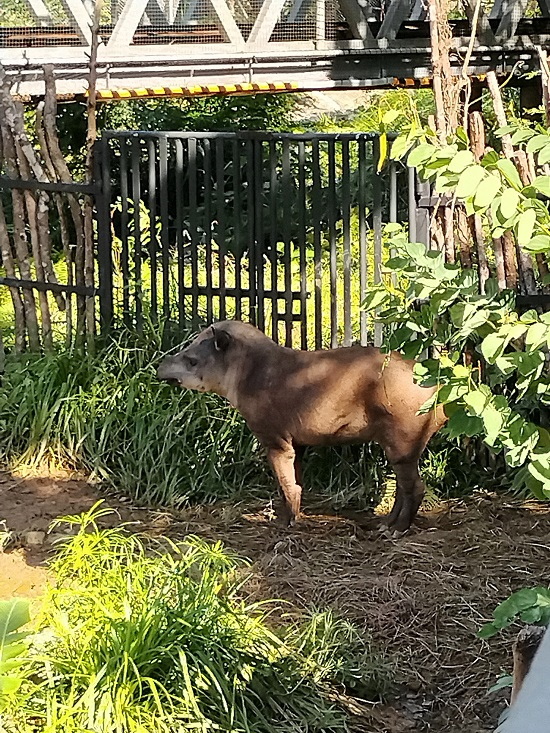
(191, 45)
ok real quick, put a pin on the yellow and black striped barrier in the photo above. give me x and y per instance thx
(113, 95)
(209, 90)
(425, 81)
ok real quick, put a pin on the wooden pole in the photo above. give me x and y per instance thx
(88, 203)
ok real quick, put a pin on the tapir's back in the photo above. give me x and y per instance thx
(352, 394)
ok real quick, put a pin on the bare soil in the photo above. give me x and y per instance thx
(422, 597)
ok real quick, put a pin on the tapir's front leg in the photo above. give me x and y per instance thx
(282, 460)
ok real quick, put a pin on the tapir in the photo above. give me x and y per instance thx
(291, 399)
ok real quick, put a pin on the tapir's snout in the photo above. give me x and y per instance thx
(166, 370)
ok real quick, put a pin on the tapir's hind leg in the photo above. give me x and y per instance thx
(283, 460)
(410, 487)
(408, 496)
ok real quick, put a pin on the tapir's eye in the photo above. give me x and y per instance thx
(192, 362)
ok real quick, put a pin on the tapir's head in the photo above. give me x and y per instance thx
(211, 362)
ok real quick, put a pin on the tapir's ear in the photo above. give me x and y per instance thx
(221, 339)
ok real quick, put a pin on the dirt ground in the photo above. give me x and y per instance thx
(422, 597)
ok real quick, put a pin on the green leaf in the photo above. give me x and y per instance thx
(390, 116)
(531, 615)
(460, 423)
(375, 299)
(540, 470)
(525, 226)
(510, 172)
(503, 682)
(13, 615)
(477, 401)
(9, 685)
(493, 421)
(542, 184)
(492, 346)
(540, 243)
(544, 155)
(536, 143)
(509, 203)
(487, 191)
(490, 159)
(462, 160)
(400, 146)
(505, 130)
(383, 142)
(469, 181)
(487, 631)
(521, 135)
(420, 155)
(536, 336)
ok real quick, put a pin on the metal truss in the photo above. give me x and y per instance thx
(316, 43)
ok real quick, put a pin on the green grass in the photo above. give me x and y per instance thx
(135, 639)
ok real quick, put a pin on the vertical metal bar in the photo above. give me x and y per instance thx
(164, 239)
(104, 249)
(412, 204)
(222, 245)
(251, 229)
(153, 244)
(393, 192)
(346, 215)
(332, 242)
(362, 216)
(273, 239)
(180, 247)
(193, 235)
(287, 261)
(136, 199)
(124, 262)
(377, 226)
(302, 240)
(317, 255)
(207, 189)
(393, 206)
(237, 214)
(259, 233)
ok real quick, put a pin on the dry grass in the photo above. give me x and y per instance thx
(422, 597)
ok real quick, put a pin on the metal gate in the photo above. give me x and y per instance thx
(284, 230)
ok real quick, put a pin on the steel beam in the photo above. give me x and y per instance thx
(265, 22)
(40, 12)
(484, 32)
(396, 14)
(77, 12)
(295, 10)
(356, 13)
(128, 21)
(513, 13)
(228, 26)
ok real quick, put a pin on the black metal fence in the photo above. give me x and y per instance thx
(285, 230)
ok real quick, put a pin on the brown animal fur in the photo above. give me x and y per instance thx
(291, 399)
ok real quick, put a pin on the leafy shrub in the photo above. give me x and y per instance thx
(530, 605)
(145, 640)
(13, 615)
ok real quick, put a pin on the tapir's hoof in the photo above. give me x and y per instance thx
(391, 534)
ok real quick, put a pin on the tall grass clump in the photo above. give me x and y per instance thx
(110, 416)
(143, 640)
